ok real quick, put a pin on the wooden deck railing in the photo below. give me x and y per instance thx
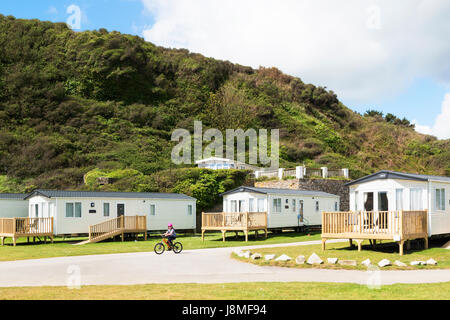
(376, 225)
(20, 227)
(234, 221)
(25, 227)
(122, 224)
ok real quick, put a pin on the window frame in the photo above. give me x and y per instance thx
(276, 203)
(439, 201)
(109, 209)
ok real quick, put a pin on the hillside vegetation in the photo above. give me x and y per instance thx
(99, 101)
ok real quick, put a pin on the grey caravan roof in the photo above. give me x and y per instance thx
(279, 191)
(13, 196)
(107, 194)
(385, 174)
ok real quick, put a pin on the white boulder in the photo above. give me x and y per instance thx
(431, 262)
(384, 263)
(269, 257)
(300, 260)
(352, 263)
(398, 263)
(314, 259)
(366, 262)
(332, 260)
(283, 257)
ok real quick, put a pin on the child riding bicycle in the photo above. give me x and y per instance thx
(171, 235)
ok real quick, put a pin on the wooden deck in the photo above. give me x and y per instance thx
(235, 221)
(399, 226)
(117, 226)
(25, 227)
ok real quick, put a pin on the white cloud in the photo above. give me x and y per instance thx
(344, 45)
(441, 127)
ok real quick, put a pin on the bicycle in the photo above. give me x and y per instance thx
(177, 247)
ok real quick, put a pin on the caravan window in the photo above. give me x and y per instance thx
(189, 209)
(277, 205)
(260, 205)
(233, 206)
(399, 199)
(383, 201)
(317, 206)
(106, 209)
(73, 209)
(293, 205)
(356, 200)
(440, 199)
(77, 209)
(152, 210)
(69, 210)
(241, 205)
(251, 206)
(416, 202)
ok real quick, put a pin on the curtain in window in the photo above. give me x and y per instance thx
(416, 201)
(260, 205)
(77, 209)
(69, 210)
(106, 209)
(399, 199)
(152, 210)
(251, 206)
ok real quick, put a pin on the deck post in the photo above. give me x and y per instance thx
(203, 235)
(14, 241)
(3, 241)
(51, 237)
(324, 240)
(426, 242)
(359, 242)
(265, 231)
(223, 235)
(401, 246)
(246, 235)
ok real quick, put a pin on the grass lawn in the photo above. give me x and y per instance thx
(344, 252)
(65, 248)
(233, 291)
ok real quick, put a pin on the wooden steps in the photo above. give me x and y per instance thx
(103, 237)
(117, 226)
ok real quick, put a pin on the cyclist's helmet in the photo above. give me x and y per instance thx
(170, 225)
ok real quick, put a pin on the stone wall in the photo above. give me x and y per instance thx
(336, 187)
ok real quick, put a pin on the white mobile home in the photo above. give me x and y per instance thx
(284, 207)
(74, 211)
(215, 163)
(13, 205)
(397, 191)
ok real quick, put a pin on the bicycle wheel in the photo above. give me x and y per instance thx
(159, 248)
(177, 247)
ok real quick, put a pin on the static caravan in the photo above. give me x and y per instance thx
(13, 205)
(397, 191)
(284, 207)
(74, 211)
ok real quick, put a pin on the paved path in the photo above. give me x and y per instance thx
(191, 266)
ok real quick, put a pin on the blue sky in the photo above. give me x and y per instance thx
(388, 77)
